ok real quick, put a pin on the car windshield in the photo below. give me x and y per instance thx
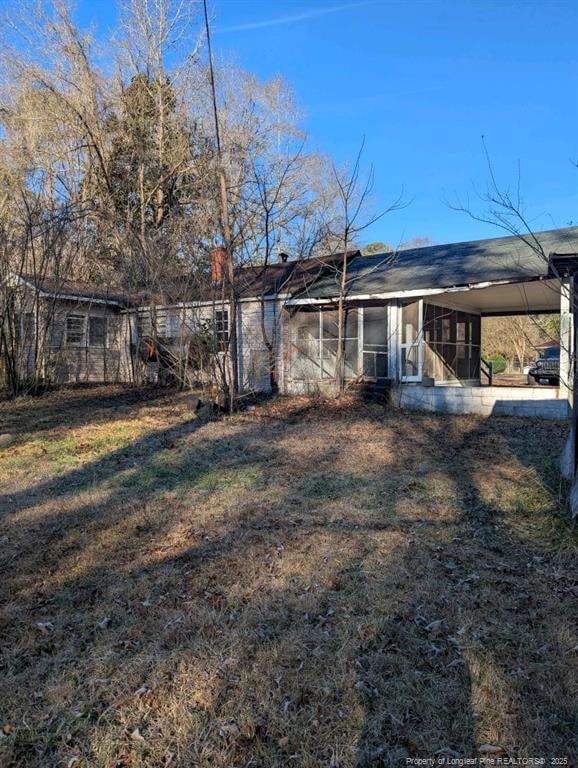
(551, 353)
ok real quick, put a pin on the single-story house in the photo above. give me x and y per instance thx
(413, 322)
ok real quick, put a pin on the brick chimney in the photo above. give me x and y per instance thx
(218, 264)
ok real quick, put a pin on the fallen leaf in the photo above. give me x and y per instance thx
(491, 749)
(136, 735)
(46, 627)
(6, 728)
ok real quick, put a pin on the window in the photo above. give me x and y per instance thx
(75, 330)
(97, 331)
(82, 330)
(222, 329)
(375, 342)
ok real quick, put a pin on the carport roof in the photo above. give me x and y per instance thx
(447, 266)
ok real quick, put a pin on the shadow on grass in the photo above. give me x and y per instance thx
(77, 406)
(277, 607)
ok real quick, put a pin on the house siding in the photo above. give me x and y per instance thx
(66, 364)
(254, 358)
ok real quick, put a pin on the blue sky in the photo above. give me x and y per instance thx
(423, 80)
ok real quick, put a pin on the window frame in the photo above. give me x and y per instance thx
(85, 341)
(221, 328)
(82, 341)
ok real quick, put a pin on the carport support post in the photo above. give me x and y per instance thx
(566, 339)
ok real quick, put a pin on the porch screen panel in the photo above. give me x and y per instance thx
(305, 362)
(375, 342)
(452, 344)
(410, 341)
(329, 336)
(314, 338)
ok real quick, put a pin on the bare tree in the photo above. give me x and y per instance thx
(350, 219)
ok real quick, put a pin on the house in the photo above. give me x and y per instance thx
(67, 332)
(173, 318)
(413, 323)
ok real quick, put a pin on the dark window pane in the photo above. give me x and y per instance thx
(351, 359)
(476, 329)
(351, 324)
(369, 365)
(97, 331)
(381, 366)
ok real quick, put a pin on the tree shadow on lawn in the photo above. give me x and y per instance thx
(80, 406)
(266, 622)
(511, 584)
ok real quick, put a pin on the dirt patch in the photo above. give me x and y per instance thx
(308, 584)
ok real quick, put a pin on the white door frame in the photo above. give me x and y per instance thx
(418, 342)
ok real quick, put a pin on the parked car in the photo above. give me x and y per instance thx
(546, 369)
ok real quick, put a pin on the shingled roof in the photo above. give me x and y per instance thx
(449, 266)
(251, 280)
(62, 288)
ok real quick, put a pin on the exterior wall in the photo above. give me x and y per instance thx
(174, 323)
(254, 363)
(40, 344)
(536, 402)
(65, 364)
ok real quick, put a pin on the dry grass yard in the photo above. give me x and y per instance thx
(306, 585)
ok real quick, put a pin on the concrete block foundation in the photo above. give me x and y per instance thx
(533, 402)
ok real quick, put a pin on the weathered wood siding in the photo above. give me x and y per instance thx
(254, 358)
(66, 364)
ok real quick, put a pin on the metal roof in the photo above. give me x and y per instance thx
(448, 266)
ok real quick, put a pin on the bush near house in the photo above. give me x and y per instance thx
(499, 362)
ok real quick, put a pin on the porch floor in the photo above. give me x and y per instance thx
(511, 380)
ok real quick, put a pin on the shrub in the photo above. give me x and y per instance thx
(498, 361)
